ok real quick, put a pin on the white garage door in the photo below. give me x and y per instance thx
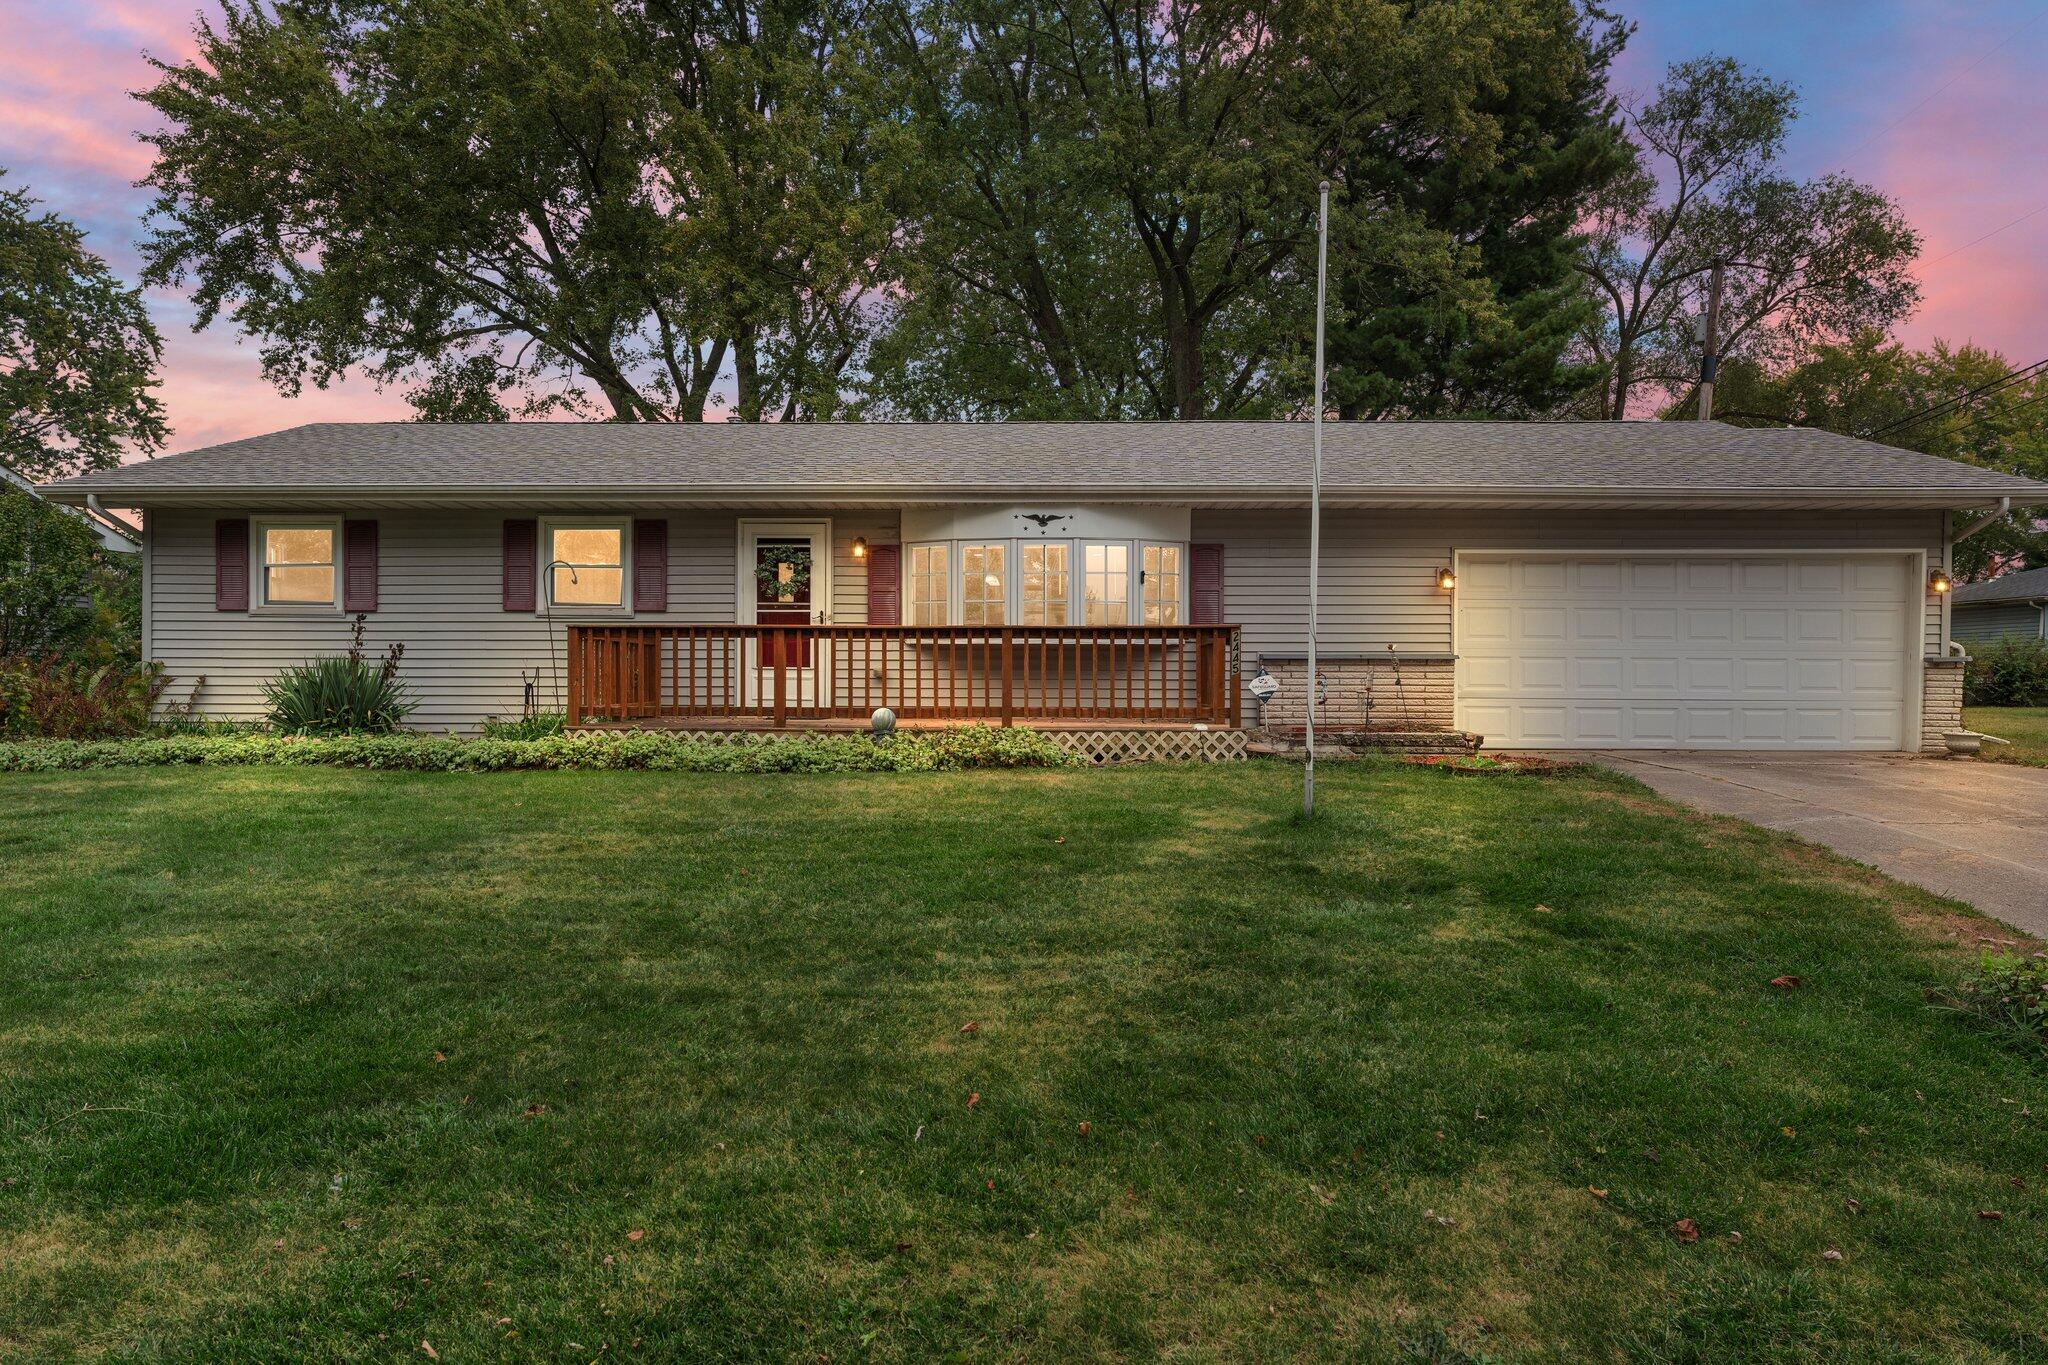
(1686, 652)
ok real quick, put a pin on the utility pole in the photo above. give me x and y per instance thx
(1315, 501)
(1710, 357)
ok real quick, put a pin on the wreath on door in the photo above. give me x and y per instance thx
(795, 558)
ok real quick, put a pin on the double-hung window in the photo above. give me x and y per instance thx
(930, 586)
(586, 564)
(298, 563)
(1160, 579)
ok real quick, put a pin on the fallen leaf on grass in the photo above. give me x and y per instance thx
(2015, 1182)
(1086, 1128)
(428, 1347)
(904, 1246)
(440, 1056)
(1853, 1205)
(1990, 1215)
(534, 1111)
(970, 1027)
(1060, 839)
(1596, 1192)
(1831, 1255)
(974, 1099)
(1787, 983)
(1735, 1237)
(1686, 1230)
(1439, 1219)
(1544, 910)
(636, 1234)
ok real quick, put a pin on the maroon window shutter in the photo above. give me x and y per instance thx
(231, 565)
(650, 566)
(885, 585)
(1205, 597)
(359, 566)
(522, 564)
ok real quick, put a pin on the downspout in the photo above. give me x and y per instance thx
(1948, 557)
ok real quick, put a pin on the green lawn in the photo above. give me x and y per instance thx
(2025, 726)
(327, 1064)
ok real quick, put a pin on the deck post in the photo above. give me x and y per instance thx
(575, 672)
(781, 657)
(1008, 709)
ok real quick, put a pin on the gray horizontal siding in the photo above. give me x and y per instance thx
(1379, 589)
(1995, 621)
(439, 593)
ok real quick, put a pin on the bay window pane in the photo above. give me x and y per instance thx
(1043, 584)
(1162, 585)
(1106, 585)
(983, 586)
(927, 585)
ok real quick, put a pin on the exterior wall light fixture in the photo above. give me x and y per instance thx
(1939, 583)
(1446, 580)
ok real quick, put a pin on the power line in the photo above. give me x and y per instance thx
(1982, 58)
(1987, 236)
(1950, 405)
(2020, 406)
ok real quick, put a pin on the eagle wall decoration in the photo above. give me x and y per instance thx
(1043, 519)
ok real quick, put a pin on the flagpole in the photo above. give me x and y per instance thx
(1315, 499)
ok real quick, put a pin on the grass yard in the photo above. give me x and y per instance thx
(328, 1064)
(2025, 726)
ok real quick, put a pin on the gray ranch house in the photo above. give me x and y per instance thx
(2009, 607)
(1545, 585)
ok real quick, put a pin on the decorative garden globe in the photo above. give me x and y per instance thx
(883, 721)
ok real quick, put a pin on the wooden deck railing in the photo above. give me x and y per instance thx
(1009, 675)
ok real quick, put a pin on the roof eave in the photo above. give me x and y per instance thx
(74, 492)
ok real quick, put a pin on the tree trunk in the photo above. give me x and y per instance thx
(746, 375)
(1617, 408)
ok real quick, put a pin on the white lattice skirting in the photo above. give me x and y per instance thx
(1105, 747)
(1100, 747)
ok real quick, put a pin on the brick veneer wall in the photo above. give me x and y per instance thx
(1415, 694)
(1941, 703)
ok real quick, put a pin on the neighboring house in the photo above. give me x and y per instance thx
(2015, 605)
(114, 534)
(1654, 584)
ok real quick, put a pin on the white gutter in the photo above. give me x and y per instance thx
(2004, 508)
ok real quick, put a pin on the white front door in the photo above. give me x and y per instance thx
(785, 579)
(1688, 651)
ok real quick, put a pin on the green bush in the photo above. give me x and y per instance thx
(2012, 672)
(342, 695)
(947, 751)
(63, 699)
(527, 727)
(2009, 996)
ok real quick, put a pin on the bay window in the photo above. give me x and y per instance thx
(1034, 582)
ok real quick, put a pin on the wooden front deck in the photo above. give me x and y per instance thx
(728, 677)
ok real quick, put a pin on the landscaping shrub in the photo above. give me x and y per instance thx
(2009, 996)
(972, 747)
(527, 727)
(64, 699)
(340, 695)
(2012, 672)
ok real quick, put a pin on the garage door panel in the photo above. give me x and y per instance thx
(1766, 651)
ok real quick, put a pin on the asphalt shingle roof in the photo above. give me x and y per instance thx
(2012, 587)
(1228, 457)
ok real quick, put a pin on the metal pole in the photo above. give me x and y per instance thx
(1315, 499)
(1710, 360)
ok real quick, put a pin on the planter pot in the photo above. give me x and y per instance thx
(1963, 742)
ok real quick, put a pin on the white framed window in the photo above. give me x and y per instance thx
(928, 591)
(1106, 583)
(1034, 582)
(984, 584)
(583, 564)
(1044, 589)
(297, 563)
(1159, 581)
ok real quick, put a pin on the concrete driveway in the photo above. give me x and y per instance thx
(1977, 832)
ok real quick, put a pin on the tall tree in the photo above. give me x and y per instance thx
(1950, 401)
(1121, 196)
(1492, 338)
(1805, 261)
(563, 203)
(78, 353)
